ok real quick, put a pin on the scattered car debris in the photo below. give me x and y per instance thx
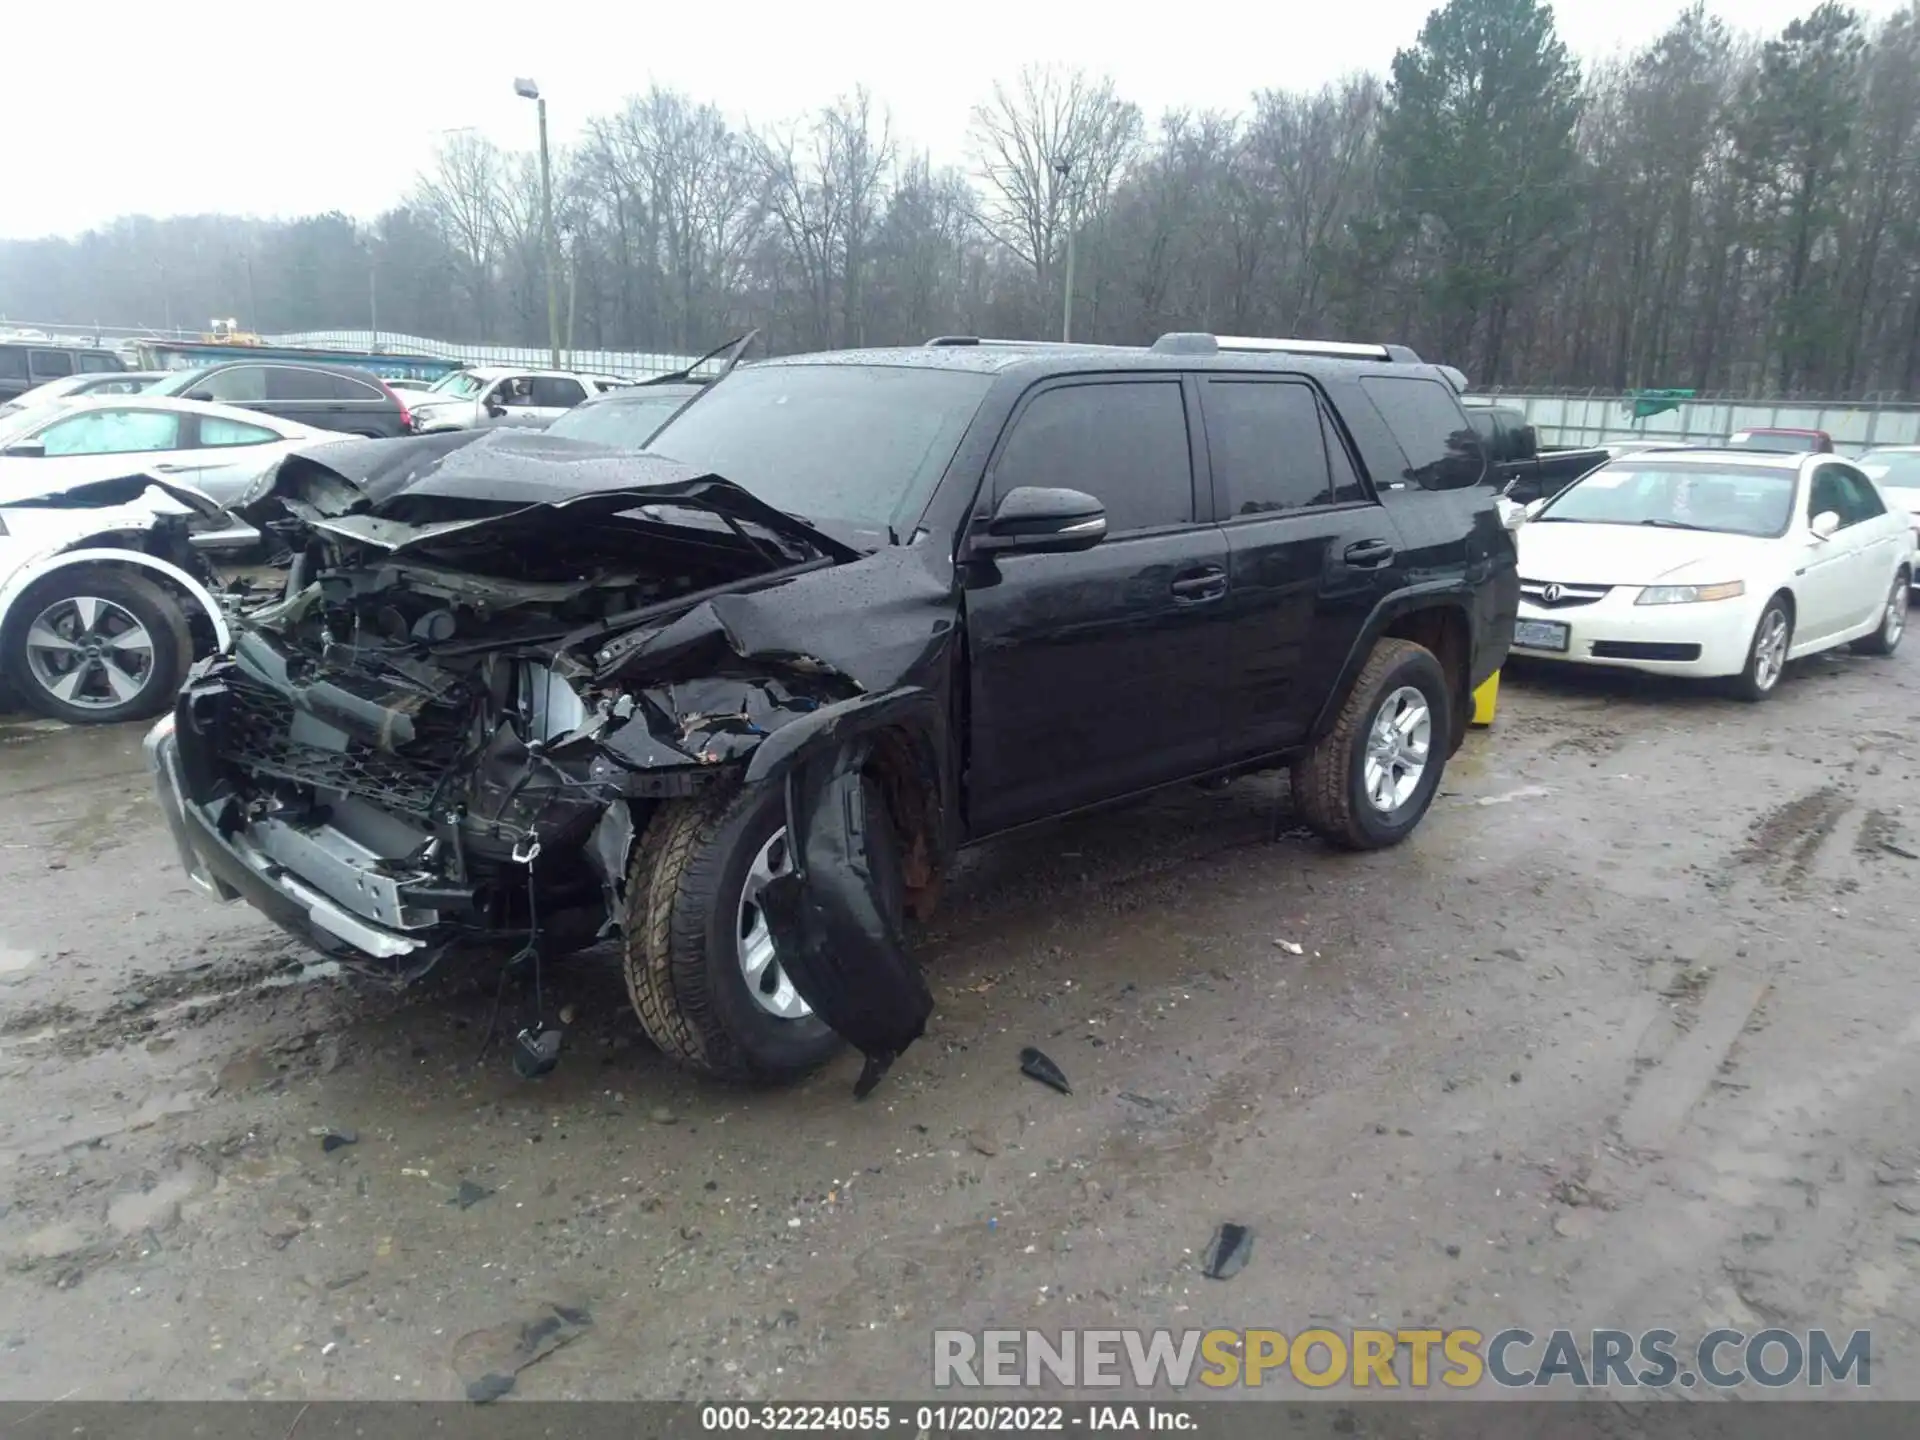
(489, 1361)
(334, 1137)
(1035, 1064)
(1894, 847)
(536, 1053)
(468, 1195)
(1227, 1256)
(1291, 947)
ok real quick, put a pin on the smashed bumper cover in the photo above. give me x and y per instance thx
(235, 867)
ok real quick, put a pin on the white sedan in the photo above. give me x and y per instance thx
(216, 449)
(1896, 470)
(1713, 564)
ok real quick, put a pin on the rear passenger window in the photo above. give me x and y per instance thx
(51, 364)
(13, 364)
(1442, 450)
(1863, 501)
(345, 387)
(1269, 448)
(284, 382)
(1124, 444)
(95, 364)
(241, 385)
(556, 392)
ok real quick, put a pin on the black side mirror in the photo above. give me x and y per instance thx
(1527, 443)
(200, 395)
(1036, 521)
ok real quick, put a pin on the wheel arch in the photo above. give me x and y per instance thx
(1439, 619)
(112, 557)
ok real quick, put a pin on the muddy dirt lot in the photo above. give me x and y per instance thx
(1628, 1035)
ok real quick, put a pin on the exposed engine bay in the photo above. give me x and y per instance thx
(491, 659)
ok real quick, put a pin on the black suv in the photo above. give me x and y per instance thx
(328, 397)
(23, 365)
(739, 707)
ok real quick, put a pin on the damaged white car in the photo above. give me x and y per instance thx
(104, 599)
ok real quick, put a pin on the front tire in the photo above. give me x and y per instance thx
(702, 977)
(1767, 654)
(1367, 782)
(1893, 621)
(97, 646)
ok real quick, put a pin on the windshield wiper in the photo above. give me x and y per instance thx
(1674, 525)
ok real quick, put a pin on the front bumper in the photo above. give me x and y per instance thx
(1707, 639)
(235, 867)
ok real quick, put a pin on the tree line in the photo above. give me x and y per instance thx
(1738, 214)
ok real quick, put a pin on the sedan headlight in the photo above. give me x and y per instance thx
(1689, 594)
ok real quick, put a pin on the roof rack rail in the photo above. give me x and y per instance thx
(946, 340)
(1200, 342)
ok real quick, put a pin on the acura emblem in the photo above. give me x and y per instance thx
(1552, 594)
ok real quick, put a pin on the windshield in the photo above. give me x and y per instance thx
(863, 444)
(628, 424)
(1730, 499)
(1894, 469)
(460, 385)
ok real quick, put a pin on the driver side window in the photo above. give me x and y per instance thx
(1826, 494)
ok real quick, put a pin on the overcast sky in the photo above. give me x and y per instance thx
(292, 107)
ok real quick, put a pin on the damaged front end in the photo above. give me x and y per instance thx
(497, 655)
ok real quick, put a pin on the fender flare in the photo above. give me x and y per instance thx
(913, 706)
(36, 570)
(1436, 595)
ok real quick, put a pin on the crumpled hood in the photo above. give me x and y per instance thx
(1587, 554)
(428, 487)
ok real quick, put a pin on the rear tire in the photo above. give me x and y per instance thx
(682, 941)
(94, 645)
(1893, 621)
(1368, 781)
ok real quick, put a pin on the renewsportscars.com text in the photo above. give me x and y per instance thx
(1392, 1359)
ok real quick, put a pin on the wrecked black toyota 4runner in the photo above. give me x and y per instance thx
(737, 702)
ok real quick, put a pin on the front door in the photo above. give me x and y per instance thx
(1100, 673)
(1828, 578)
(1309, 553)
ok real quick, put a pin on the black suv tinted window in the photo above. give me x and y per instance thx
(51, 364)
(1268, 445)
(1442, 450)
(1124, 444)
(346, 387)
(94, 363)
(13, 363)
(237, 385)
(555, 390)
(289, 382)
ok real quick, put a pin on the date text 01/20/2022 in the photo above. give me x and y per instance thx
(945, 1419)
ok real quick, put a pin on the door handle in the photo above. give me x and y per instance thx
(1196, 586)
(1367, 554)
(169, 469)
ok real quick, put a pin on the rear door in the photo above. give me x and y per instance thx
(227, 455)
(554, 395)
(1881, 542)
(364, 408)
(1099, 673)
(1310, 552)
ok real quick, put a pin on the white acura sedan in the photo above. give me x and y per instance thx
(1713, 563)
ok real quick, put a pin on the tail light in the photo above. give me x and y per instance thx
(406, 415)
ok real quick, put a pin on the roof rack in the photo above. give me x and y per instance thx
(946, 340)
(1199, 342)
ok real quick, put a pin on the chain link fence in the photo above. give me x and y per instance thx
(1599, 418)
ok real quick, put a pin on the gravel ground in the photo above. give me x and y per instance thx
(1628, 1035)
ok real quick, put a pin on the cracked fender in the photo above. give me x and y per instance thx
(835, 917)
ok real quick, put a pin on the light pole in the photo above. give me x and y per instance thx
(527, 90)
(1064, 168)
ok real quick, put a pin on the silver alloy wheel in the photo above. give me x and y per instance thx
(1770, 651)
(1398, 746)
(90, 652)
(1894, 624)
(767, 981)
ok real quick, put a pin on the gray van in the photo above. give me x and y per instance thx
(24, 365)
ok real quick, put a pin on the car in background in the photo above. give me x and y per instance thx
(24, 365)
(1713, 563)
(466, 399)
(339, 398)
(1782, 440)
(1896, 470)
(625, 419)
(218, 450)
(124, 382)
(1521, 469)
(409, 387)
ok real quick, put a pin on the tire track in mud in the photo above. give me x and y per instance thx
(1786, 839)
